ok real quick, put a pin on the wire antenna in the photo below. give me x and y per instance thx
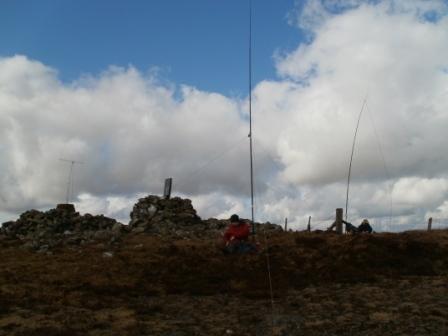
(386, 170)
(70, 177)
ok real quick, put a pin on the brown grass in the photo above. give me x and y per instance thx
(156, 286)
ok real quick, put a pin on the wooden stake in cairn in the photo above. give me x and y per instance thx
(338, 222)
(429, 223)
(167, 188)
(309, 224)
(286, 224)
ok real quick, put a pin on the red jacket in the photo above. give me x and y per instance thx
(239, 232)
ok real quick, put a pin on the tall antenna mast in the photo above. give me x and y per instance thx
(250, 120)
(70, 177)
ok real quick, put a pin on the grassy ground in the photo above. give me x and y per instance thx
(323, 284)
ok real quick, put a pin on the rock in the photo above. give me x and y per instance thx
(43, 249)
(60, 225)
(139, 229)
(117, 227)
(173, 218)
(114, 240)
(157, 215)
(108, 254)
(176, 217)
(30, 245)
(102, 235)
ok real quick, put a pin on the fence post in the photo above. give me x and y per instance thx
(309, 224)
(339, 218)
(286, 224)
(429, 223)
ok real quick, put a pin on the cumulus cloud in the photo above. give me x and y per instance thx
(393, 52)
(131, 131)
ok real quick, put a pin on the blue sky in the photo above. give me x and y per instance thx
(201, 43)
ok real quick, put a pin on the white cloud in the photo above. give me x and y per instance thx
(129, 131)
(396, 53)
(118, 207)
(132, 132)
(419, 191)
(217, 205)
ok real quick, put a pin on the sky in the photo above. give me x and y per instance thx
(144, 90)
(201, 43)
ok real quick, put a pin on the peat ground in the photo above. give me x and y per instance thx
(323, 284)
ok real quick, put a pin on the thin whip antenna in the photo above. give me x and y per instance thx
(351, 158)
(380, 148)
(70, 178)
(250, 120)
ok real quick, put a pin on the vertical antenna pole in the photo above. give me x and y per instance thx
(250, 120)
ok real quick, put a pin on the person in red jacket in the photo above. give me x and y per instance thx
(236, 237)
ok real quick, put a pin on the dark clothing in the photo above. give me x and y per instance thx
(240, 247)
(365, 227)
(350, 228)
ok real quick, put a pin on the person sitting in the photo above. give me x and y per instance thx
(350, 228)
(236, 237)
(365, 227)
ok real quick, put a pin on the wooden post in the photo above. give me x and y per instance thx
(339, 218)
(286, 224)
(167, 188)
(429, 223)
(309, 224)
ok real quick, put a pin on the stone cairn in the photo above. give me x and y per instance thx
(174, 218)
(177, 217)
(42, 230)
(166, 217)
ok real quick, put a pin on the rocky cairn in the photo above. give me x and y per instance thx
(167, 217)
(174, 218)
(63, 225)
(177, 217)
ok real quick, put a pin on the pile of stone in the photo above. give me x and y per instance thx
(166, 217)
(268, 228)
(177, 217)
(42, 230)
(174, 218)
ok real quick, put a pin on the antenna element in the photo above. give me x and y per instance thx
(70, 178)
